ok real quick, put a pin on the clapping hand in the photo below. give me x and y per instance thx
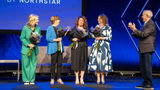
(132, 26)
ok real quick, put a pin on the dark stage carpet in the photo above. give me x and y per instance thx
(112, 83)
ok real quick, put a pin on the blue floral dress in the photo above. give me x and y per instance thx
(100, 59)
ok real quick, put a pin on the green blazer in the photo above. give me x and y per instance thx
(25, 34)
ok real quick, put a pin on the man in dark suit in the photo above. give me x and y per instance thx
(147, 37)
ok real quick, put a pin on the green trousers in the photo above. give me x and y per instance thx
(29, 67)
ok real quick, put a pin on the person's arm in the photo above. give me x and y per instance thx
(57, 39)
(49, 36)
(149, 29)
(23, 37)
(107, 35)
(132, 26)
(89, 34)
(39, 32)
(67, 31)
(71, 34)
(92, 35)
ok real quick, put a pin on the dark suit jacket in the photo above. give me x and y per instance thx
(147, 37)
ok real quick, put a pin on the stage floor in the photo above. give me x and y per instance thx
(112, 83)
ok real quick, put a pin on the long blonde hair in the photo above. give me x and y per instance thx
(32, 20)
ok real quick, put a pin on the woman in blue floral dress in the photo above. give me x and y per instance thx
(100, 58)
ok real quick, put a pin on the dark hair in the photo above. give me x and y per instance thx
(85, 21)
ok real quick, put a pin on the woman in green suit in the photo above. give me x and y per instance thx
(29, 62)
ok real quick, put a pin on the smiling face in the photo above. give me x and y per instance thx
(144, 17)
(33, 20)
(100, 21)
(57, 22)
(81, 22)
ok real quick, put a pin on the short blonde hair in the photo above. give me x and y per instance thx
(54, 18)
(148, 13)
(31, 20)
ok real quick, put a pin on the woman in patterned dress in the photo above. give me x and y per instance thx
(100, 58)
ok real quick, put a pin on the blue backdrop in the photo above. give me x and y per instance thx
(124, 53)
(14, 13)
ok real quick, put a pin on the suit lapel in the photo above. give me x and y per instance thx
(145, 24)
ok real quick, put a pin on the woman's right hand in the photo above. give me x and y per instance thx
(75, 39)
(100, 38)
(58, 39)
(31, 46)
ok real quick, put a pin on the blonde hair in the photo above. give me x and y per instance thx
(54, 18)
(148, 13)
(31, 20)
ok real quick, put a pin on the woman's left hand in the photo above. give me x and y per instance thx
(37, 41)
